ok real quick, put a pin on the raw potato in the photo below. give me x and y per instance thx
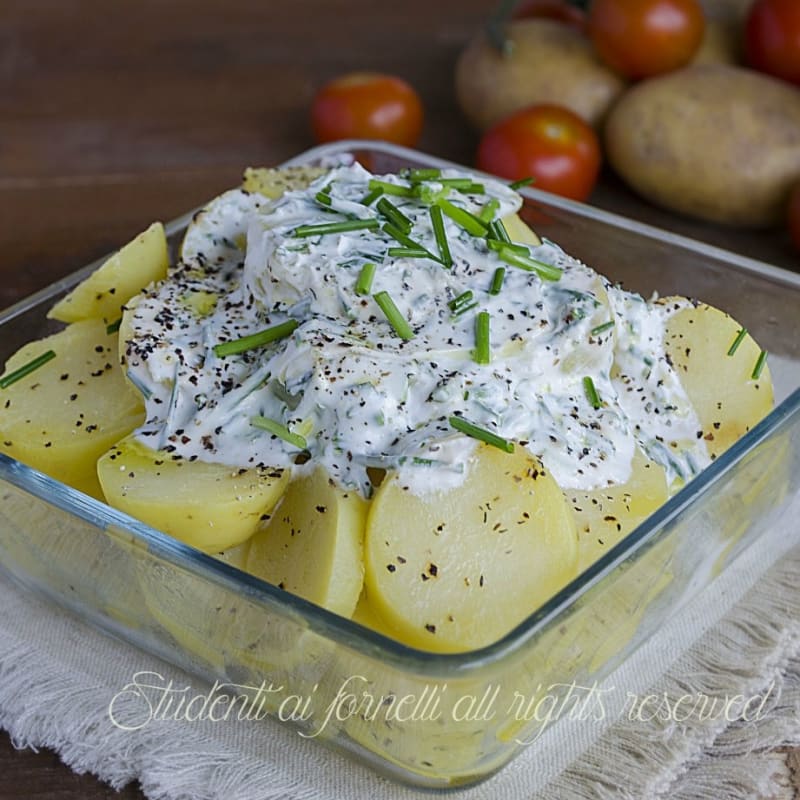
(606, 516)
(313, 544)
(715, 142)
(549, 62)
(68, 412)
(728, 401)
(209, 506)
(102, 295)
(456, 570)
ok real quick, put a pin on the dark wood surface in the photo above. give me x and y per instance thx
(115, 114)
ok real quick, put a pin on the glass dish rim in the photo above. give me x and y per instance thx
(345, 631)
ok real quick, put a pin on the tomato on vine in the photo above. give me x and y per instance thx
(549, 143)
(640, 38)
(367, 105)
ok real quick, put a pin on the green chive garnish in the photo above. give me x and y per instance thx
(394, 214)
(737, 341)
(461, 300)
(437, 222)
(113, 327)
(497, 280)
(417, 175)
(762, 360)
(396, 319)
(591, 392)
(482, 353)
(520, 183)
(256, 339)
(336, 227)
(370, 198)
(408, 252)
(364, 282)
(461, 310)
(606, 326)
(391, 188)
(488, 211)
(26, 369)
(498, 231)
(509, 254)
(405, 240)
(279, 430)
(323, 196)
(469, 222)
(494, 244)
(481, 434)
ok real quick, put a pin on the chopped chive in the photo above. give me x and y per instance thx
(404, 239)
(494, 244)
(254, 340)
(364, 282)
(113, 327)
(737, 341)
(488, 211)
(591, 392)
(606, 326)
(371, 197)
(417, 175)
(437, 222)
(408, 252)
(391, 188)
(323, 196)
(520, 183)
(461, 300)
(461, 310)
(482, 353)
(547, 272)
(392, 312)
(26, 369)
(457, 183)
(394, 214)
(474, 188)
(481, 434)
(428, 195)
(497, 280)
(469, 222)
(758, 368)
(336, 227)
(279, 430)
(498, 231)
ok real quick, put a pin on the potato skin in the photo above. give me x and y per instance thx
(716, 142)
(549, 62)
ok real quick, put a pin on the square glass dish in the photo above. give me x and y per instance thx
(398, 709)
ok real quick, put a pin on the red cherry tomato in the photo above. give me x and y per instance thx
(549, 143)
(367, 105)
(560, 10)
(794, 216)
(772, 38)
(640, 38)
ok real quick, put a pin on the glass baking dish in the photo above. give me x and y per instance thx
(413, 715)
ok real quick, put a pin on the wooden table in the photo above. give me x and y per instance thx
(115, 114)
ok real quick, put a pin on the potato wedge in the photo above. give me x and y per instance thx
(313, 544)
(727, 399)
(102, 295)
(63, 416)
(455, 570)
(605, 516)
(209, 506)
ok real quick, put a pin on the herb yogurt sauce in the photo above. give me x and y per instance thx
(576, 369)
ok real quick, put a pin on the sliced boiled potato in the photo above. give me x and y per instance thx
(210, 506)
(273, 182)
(102, 295)
(64, 415)
(313, 544)
(727, 399)
(606, 515)
(519, 232)
(455, 570)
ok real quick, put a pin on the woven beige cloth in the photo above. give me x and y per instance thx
(58, 678)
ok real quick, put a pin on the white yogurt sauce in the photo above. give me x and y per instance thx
(361, 396)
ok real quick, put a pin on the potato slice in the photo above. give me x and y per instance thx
(60, 418)
(727, 399)
(519, 231)
(273, 183)
(313, 545)
(210, 506)
(606, 516)
(103, 294)
(455, 570)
